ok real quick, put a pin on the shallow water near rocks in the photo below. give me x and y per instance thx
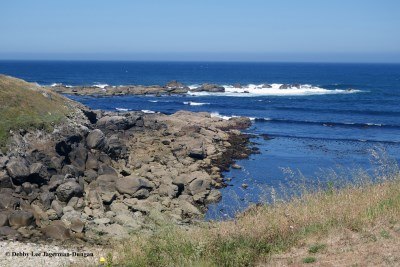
(302, 130)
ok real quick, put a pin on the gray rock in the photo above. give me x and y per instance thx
(77, 225)
(199, 185)
(46, 198)
(8, 232)
(4, 218)
(7, 200)
(214, 196)
(68, 190)
(20, 218)
(90, 175)
(18, 170)
(114, 123)
(5, 180)
(96, 139)
(55, 205)
(57, 230)
(131, 184)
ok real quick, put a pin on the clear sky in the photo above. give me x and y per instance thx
(221, 30)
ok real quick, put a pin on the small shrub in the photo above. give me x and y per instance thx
(316, 248)
(309, 260)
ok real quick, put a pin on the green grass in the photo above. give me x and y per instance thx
(309, 260)
(316, 248)
(27, 106)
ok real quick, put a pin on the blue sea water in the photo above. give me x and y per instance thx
(309, 131)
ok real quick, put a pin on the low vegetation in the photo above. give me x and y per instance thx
(263, 232)
(24, 105)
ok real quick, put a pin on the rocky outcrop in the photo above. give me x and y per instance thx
(212, 88)
(101, 174)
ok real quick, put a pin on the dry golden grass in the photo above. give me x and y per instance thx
(263, 233)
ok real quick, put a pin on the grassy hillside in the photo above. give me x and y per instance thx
(357, 225)
(24, 105)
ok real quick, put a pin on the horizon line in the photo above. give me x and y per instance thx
(198, 61)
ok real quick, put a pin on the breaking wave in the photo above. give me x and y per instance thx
(191, 103)
(273, 90)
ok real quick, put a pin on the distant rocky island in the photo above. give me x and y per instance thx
(171, 88)
(93, 175)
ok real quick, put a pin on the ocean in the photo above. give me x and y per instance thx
(331, 119)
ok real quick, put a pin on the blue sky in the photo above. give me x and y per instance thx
(221, 30)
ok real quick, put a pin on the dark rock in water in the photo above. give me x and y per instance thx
(20, 218)
(8, 232)
(68, 190)
(57, 230)
(284, 86)
(265, 85)
(18, 170)
(212, 88)
(131, 184)
(237, 85)
(96, 139)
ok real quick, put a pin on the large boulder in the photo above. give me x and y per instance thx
(114, 123)
(18, 169)
(57, 230)
(199, 186)
(20, 218)
(132, 184)
(96, 139)
(116, 147)
(68, 190)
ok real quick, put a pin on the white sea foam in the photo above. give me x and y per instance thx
(122, 109)
(101, 85)
(224, 117)
(190, 103)
(153, 101)
(275, 89)
(148, 111)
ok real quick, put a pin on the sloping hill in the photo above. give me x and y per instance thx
(25, 105)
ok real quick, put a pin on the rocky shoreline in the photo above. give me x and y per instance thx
(171, 88)
(101, 175)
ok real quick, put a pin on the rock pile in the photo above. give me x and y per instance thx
(101, 174)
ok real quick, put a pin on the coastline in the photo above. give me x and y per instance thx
(100, 175)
